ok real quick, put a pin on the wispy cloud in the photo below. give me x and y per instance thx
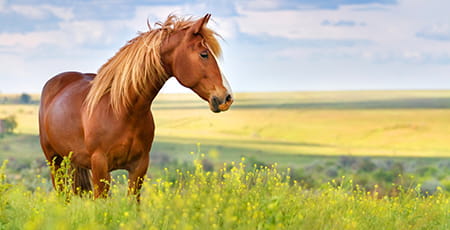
(264, 5)
(395, 33)
(291, 39)
(327, 22)
(41, 12)
(439, 32)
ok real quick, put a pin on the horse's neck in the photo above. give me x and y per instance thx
(167, 47)
(142, 104)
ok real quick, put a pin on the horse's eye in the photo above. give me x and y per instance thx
(204, 54)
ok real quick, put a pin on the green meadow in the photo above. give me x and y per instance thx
(236, 196)
(295, 160)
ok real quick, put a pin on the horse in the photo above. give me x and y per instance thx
(104, 120)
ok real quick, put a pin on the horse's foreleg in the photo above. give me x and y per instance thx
(136, 176)
(101, 179)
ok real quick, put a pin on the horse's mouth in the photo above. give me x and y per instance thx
(216, 105)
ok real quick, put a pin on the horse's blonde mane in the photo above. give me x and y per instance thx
(137, 66)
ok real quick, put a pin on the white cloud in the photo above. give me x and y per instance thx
(29, 11)
(225, 26)
(19, 41)
(2, 5)
(153, 14)
(260, 4)
(60, 12)
(72, 33)
(439, 32)
(308, 24)
(403, 34)
(42, 11)
(92, 32)
(393, 31)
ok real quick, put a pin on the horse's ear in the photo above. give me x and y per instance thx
(197, 27)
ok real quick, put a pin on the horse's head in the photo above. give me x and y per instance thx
(190, 55)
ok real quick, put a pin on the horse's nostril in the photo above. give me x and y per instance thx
(215, 101)
(228, 98)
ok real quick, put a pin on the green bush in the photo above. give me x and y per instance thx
(8, 124)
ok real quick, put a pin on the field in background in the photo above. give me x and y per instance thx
(280, 127)
(390, 123)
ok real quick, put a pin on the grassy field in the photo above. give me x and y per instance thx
(293, 129)
(328, 123)
(236, 197)
(359, 160)
(281, 126)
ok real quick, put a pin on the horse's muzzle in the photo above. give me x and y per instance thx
(218, 105)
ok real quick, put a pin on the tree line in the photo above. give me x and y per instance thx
(23, 98)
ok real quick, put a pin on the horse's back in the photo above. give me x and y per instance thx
(61, 81)
(60, 123)
(64, 87)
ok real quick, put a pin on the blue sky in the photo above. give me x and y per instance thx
(269, 45)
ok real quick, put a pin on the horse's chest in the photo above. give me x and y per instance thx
(130, 148)
(123, 141)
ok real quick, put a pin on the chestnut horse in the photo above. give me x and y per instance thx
(105, 120)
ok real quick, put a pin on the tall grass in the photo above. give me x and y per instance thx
(236, 196)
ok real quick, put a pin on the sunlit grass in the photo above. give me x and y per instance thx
(358, 123)
(26, 117)
(237, 196)
(377, 123)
